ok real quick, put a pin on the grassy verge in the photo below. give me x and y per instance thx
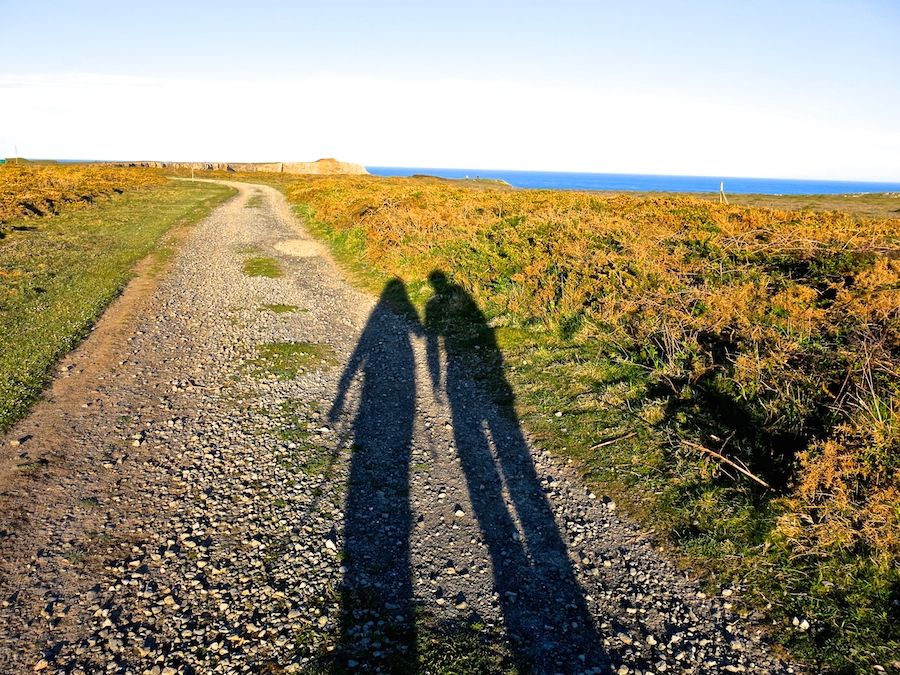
(730, 373)
(58, 274)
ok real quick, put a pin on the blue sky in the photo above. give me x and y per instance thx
(793, 89)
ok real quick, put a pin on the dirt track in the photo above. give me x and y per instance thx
(172, 507)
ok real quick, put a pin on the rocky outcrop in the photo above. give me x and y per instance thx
(327, 167)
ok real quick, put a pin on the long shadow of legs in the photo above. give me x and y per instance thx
(543, 605)
(377, 619)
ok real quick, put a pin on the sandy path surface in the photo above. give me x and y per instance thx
(180, 505)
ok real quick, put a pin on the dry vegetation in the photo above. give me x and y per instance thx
(769, 338)
(28, 190)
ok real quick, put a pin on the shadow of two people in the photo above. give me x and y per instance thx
(541, 602)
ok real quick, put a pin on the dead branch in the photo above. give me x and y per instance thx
(743, 469)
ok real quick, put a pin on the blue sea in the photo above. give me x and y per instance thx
(556, 180)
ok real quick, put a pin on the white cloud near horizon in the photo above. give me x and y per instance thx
(447, 123)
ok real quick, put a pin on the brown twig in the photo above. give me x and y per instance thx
(729, 462)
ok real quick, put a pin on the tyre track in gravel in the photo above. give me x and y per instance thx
(172, 510)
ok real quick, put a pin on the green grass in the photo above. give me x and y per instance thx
(321, 462)
(58, 274)
(99, 537)
(287, 360)
(349, 248)
(290, 421)
(626, 433)
(281, 309)
(33, 466)
(262, 266)
(77, 556)
(256, 201)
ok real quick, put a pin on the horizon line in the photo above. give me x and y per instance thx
(720, 177)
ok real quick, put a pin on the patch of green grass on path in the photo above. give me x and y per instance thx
(287, 360)
(59, 274)
(256, 201)
(279, 308)
(262, 266)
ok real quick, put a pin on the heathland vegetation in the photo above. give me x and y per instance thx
(732, 373)
(59, 272)
(28, 190)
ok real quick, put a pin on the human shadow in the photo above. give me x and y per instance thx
(377, 627)
(543, 606)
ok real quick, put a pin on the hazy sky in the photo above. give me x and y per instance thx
(785, 88)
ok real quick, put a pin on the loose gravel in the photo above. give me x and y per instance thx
(208, 517)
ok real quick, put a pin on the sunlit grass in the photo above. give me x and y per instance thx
(256, 201)
(287, 360)
(280, 308)
(262, 266)
(58, 274)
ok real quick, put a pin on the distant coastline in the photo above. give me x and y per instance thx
(555, 180)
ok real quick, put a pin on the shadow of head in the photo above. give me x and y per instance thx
(438, 281)
(395, 297)
(455, 314)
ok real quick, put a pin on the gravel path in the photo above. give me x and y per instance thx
(184, 510)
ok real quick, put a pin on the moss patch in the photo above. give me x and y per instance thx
(262, 266)
(287, 360)
(281, 309)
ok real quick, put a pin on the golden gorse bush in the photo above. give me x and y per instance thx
(28, 190)
(782, 327)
